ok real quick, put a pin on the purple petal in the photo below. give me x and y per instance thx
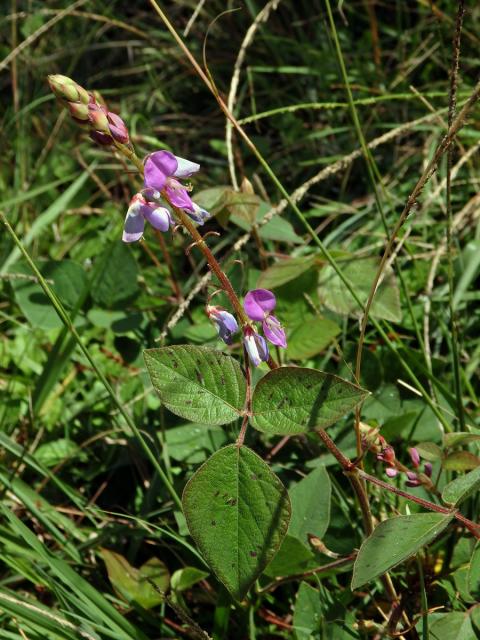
(256, 347)
(178, 196)
(258, 303)
(198, 214)
(273, 331)
(428, 469)
(133, 227)
(159, 218)
(158, 167)
(185, 168)
(226, 324)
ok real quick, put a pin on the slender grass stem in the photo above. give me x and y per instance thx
(64, 317)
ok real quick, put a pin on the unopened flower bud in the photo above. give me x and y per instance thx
(413, 480)
(415, 457)
(387, 454)
(118, 128)
(98, 118)
(67, 89)
(391, 472)
(78, 111)
(427, 469)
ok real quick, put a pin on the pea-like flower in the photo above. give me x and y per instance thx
(256, 346)
(258, 305)
(162, 170)
(141, 209)
(226, 323)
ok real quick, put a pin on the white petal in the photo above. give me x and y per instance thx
(185, 168)
(133, 227)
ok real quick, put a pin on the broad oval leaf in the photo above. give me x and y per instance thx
(310, 505)
(462, 487)
(461, 461)
(311, 337)
(143, 586)
(393, 541)
(237, 511)
(283, 271)
(293, 400)
(361, 273)
(197, 383)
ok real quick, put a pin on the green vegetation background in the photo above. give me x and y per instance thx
(76, 488)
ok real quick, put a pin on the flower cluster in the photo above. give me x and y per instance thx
(387, 455)
(89, 110)
(259, 305)
(413, 479)
(161, 172)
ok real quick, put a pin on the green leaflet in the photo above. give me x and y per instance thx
(293, 400)
(238, 512)
(197, 383)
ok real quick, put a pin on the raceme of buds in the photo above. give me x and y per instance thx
(89, 110)
(67, 89)
(226, 323)
(414, 456)
(258, 305)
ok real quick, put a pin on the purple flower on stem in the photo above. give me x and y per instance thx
(139, 211)
(226, 323)
(427, 469)
(256, 346)
(258, 305)
(162, 169)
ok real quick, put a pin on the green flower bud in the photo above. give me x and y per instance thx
(67, 89)
(98, 118)
(78, 111)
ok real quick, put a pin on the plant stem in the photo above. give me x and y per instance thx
(473, 527)
(452, 107)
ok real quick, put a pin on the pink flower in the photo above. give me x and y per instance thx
(140, 210)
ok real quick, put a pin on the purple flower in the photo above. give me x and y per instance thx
(226, 324)
(258, 305)
(162, 169)
(256, 347)
(140, 210)
(427, 469)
